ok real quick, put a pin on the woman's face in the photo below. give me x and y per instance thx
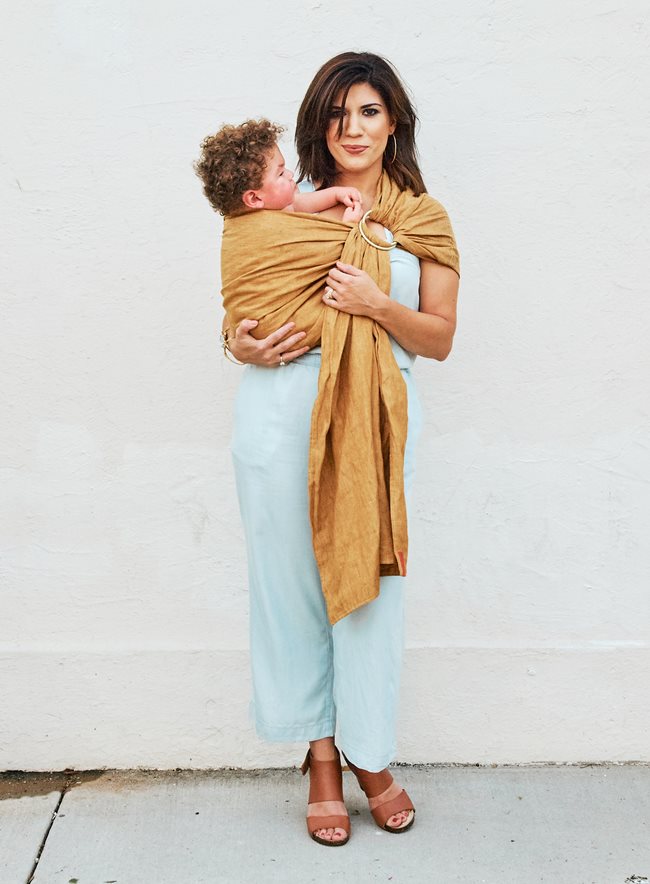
(366, 127)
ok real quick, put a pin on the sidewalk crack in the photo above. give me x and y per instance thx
(55, 813)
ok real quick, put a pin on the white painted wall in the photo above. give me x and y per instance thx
(123, 633)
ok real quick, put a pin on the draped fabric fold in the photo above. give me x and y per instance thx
(273, 269)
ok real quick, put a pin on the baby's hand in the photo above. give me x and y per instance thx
(348, 196)
(353, 214)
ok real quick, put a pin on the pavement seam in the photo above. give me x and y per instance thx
(55, 812)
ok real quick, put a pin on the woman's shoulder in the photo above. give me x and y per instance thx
(306, 186)
(423, 199)
(426, 208)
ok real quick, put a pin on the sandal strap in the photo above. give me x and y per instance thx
(328, 821)
(325, 779)
(387, 795)
(383, 812)
(326, 808)
(314, 823)
(371, 782)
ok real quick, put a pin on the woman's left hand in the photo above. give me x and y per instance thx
(352, 291)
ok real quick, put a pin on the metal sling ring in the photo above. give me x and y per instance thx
(362, 231)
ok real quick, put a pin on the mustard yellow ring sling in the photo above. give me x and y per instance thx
(273, 269)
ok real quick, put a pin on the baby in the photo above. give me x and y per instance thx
(242, 169)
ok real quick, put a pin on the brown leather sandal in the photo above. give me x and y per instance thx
(385, 797)
(326, 809)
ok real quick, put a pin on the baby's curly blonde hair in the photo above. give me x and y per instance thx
(233, 161)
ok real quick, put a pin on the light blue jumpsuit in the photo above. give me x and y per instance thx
(311, 679)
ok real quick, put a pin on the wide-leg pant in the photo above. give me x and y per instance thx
(309, 678)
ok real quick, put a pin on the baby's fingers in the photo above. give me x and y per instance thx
(355, 213)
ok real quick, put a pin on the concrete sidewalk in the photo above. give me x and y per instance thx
(562, 825)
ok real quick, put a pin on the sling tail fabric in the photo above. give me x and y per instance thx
(273, 268)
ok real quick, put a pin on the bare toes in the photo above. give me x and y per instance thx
(398, 820)
(325, 834)
(330, 834)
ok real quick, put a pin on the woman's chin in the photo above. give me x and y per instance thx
(361, 163)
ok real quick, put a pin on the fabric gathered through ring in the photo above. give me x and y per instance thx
(364, 233)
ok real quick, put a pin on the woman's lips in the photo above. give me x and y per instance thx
(354, 149)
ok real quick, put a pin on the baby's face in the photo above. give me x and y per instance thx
(278, 187)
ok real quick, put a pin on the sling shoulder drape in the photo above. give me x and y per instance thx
(273, 268)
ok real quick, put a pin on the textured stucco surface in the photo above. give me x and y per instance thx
(123, 632)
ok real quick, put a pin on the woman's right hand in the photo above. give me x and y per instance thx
(266, 351)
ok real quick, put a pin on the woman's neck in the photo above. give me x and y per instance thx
(365, 181)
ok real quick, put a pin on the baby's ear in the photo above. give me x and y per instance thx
(252, 201)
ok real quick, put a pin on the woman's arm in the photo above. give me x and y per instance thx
(266, 351)
(427, 332)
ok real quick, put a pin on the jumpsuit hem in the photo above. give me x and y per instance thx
(372, 763)
(295, 733)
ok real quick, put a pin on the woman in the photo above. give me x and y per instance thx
(355, 128)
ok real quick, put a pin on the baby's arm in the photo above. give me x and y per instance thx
(319, 200)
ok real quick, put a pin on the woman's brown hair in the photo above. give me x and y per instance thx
(336, 77)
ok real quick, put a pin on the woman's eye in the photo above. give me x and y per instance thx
(336, 113)
(370, 111)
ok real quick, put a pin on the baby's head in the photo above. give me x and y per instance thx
(242, 169)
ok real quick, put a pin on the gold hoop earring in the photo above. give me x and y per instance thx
(394, 148)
